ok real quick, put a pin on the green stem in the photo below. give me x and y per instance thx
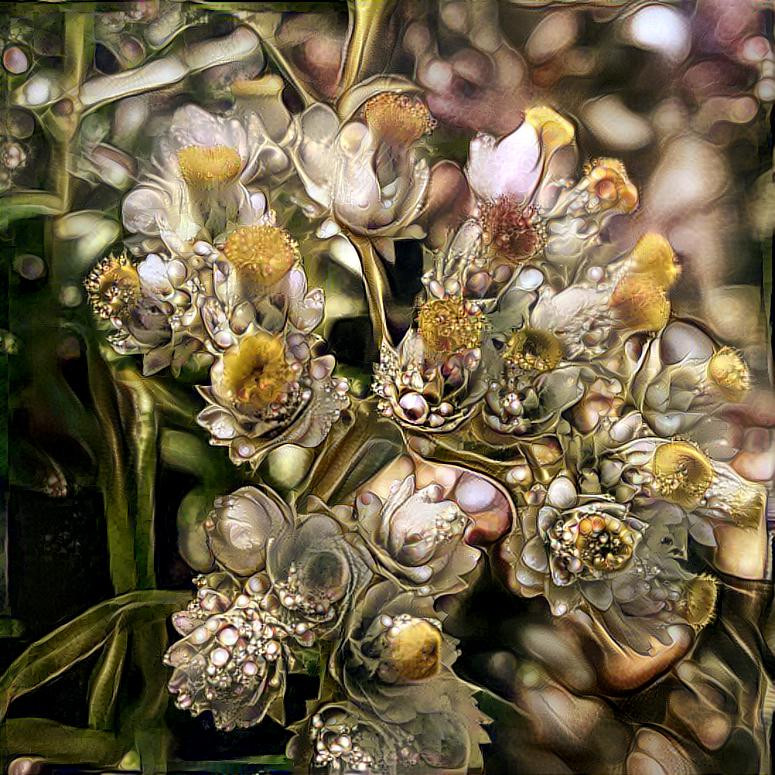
(105, 681)
(112, 474)
(376, 286)
(367, 48)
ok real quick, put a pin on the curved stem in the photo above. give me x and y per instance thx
(369, 22)
(376, 286)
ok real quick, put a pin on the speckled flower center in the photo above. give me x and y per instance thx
(450, 325)
(262, 255)
(398, 119)
(256, 373)
(532, 349)
(413, 650)
(729, 372)
(589, 542)
(511, 230)
(640, 304)
(682, 474)
(113, 287)
(207, 167)
(698, 604)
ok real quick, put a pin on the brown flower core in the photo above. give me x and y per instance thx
(450, 325)
(262, 255)
(511, 230)
(207, 167)
(113, 287)
(532, 349)
(398, 119)
(256, 373)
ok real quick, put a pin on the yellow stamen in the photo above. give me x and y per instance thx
(512, 230)
(398, 119)
(605, 544)
(728, 371)
(640, 304)
(682, 474)
(113, 286)
(255, 371)
(450, 325)
(532, 349)
(413, 651)
(653, 257)
(207, 167)
(698, 605)
(262, 255)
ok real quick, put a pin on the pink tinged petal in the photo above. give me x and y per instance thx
(510, 166)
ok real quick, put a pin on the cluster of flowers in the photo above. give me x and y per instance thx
(542, 359)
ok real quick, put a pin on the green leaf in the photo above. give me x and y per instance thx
(105, 681)
(56, 652)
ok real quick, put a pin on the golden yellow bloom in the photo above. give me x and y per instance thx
(640, 304)
(747, 505)
(729, 372)
(698, 605)
(533, 349)
(682, 474)
(450, 325)
(609, 182)
(113, 286)
(207, 167)
(413, 650)
(398, 119)
(255, 371)
(653, 257)
(262, 255)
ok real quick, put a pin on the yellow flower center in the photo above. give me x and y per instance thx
(609, 182)
(207, 167)
(398, 119)
(413, 651)
(450, 325)
(653, 257)
(534, 350)
(113, 287)
(511, 230)
(698, 605)
(255, 372)
(640, 304)
(682, 474)
(729, 372)
(262, 255)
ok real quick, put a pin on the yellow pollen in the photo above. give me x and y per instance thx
(729, 372)
(640, 304)
(255, 371)
(653, 257)
(698, 605)
(682, 474)
(262, 255)
(113, 286)
(450, 325)
(532, 349)
(398, 119)
(747, 505)
(207, 167)
(413, 653)
(554, 130)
